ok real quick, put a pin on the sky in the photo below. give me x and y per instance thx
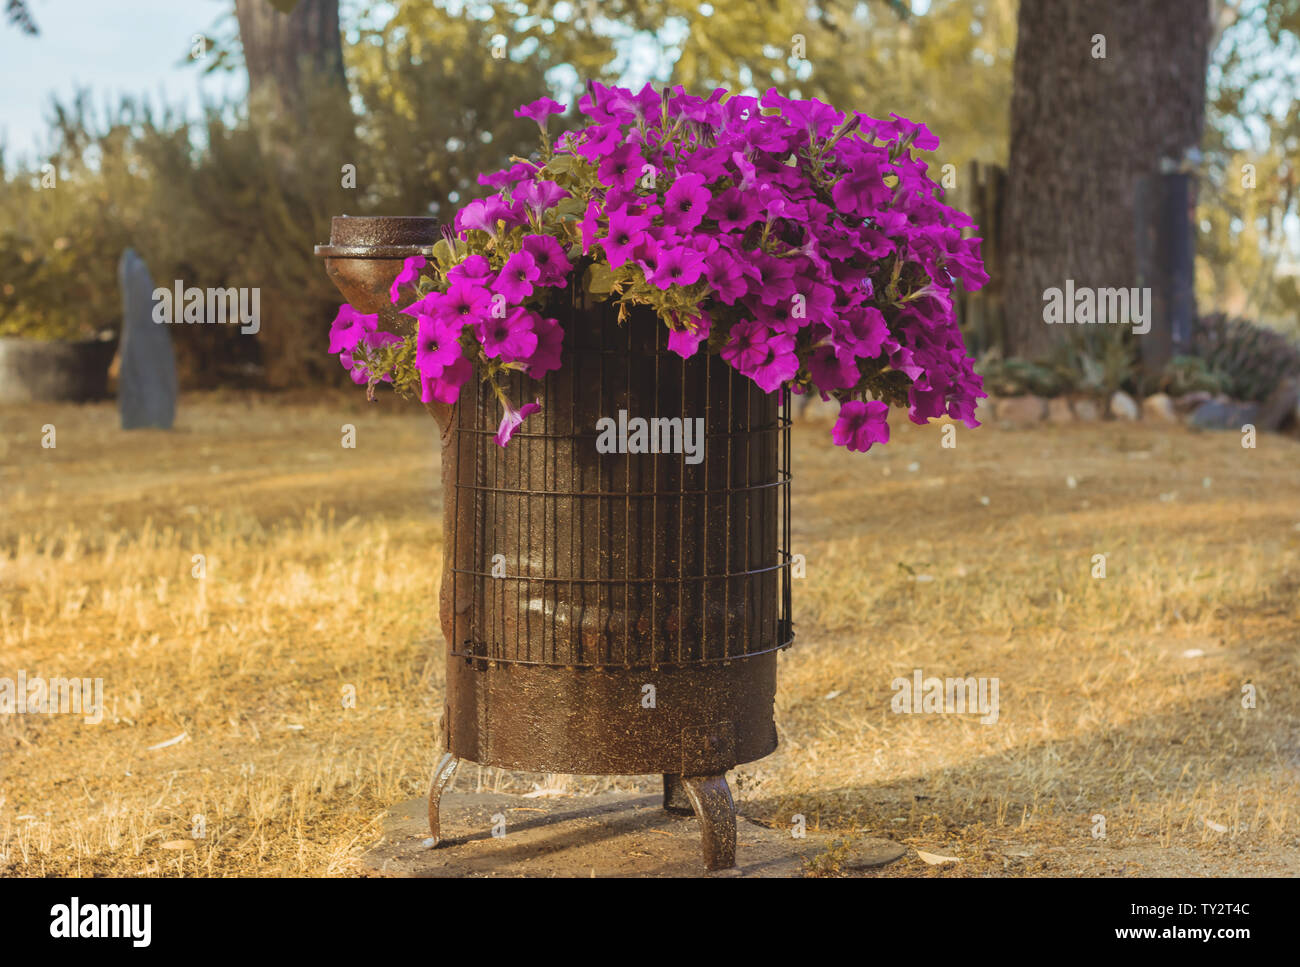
(113, 47)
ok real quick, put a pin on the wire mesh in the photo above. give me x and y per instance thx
(583, 558)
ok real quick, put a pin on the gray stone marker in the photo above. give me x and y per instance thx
(147, 379)
(612, 834)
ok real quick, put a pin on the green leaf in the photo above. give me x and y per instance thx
(600, 279)
(561, 163)
(569, 208)
(442, 253)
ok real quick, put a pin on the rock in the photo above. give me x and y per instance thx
(1190, 401)
(1058, 410)
(1218, 415)
(1123, 406)
(1160, 408)
(147, 381)
(1086, 410)
(1282, 406)
(1021, 409)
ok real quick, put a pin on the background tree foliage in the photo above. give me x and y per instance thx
(238, 196)
(1247, 258)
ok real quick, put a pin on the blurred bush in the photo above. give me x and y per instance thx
(1189, 374)
(1247, 359)
(220, 202)
(202, 203)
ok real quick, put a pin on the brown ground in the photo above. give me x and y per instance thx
(1120, 697)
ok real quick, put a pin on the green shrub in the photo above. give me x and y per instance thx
(1189, 374)
(1248, 360)
(216, 203)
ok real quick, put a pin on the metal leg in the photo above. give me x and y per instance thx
(441, 776)
(675, 798)
(711, 798)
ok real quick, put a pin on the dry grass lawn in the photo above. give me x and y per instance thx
(1120, 697)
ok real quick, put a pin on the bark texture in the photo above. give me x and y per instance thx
(285, 53)
(1083, 128)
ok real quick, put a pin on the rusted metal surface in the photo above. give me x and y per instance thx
(364, 255)
(708, 718)
(594, 560)
(675, 798)
(578, 584)
(711, 797)
(607, 613)
(442, 774)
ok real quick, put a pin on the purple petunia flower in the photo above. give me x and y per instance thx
(513, 419)
(861, 424)
(464, 302)
(832, 369)
(678, 266)
(766, 357)
(353, 359)
(598, 141)
(621, 167)
(624, 234)
(781, 363)
(686, 342)
(445, 387)
(538, 196)
(516, 278)
(686, 202)
(727, 275)
(486, 214)
(475, 269)
(437, 345)
(590, 224)
(507, 176)
(862, 332)
(553, 266)
(803, 258)
(539, 110)
(734, 210)
(550, 342)
(349, 326)
(409, 273)
(510, 338)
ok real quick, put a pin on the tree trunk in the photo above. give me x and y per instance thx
(288, 54)
(1083, 128)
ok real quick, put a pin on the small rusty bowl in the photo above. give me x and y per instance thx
(365, 253)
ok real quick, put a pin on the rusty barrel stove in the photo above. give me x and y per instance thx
(606, 613)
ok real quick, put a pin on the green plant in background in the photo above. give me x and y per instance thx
(1248, 360)
(63, 226)
(1189, 374)
(1096, 363)
(1092, 367)
(1018, 377)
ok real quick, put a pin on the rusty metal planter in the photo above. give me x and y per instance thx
(615, 613)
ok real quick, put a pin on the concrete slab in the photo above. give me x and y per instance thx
(612, 834)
